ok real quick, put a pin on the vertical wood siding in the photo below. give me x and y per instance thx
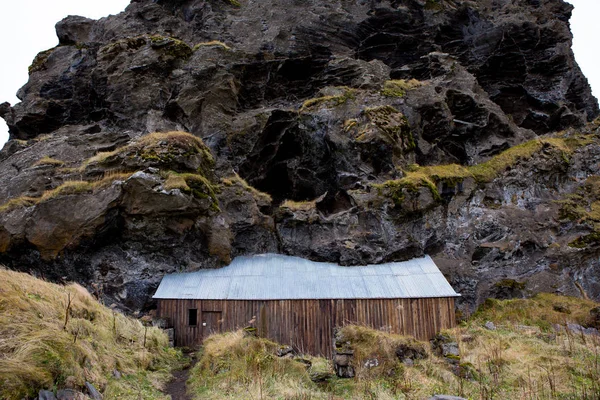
(308, 325)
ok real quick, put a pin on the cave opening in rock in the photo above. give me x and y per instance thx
(292, 159)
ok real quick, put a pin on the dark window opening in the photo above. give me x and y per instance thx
(192, 317)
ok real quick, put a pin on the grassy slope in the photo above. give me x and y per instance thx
(38, 351)
(524, 358)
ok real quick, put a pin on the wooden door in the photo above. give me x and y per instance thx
(211, 323)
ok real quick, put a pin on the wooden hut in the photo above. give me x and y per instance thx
(299, 302)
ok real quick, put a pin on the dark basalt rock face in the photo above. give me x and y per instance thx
(306, 123)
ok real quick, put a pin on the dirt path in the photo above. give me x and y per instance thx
(176, 388)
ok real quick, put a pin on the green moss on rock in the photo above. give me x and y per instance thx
(396, 190)
(510, 284)
(399, 87)
(586, 241)
(170, 46)
(177, 151)
(330, 101)
(39, 62)
(393, 124)
(433, 5)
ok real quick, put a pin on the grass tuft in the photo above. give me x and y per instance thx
(236, 180)
(234, 366)
(166, 150)
(330, 101)
(41, 349)
(49, 161)
(67, 188)
(212, 43)
(398, 88)
(523, 358)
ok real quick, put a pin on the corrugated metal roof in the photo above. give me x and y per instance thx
(280, 277)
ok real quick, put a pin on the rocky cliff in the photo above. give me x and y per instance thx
(182, 133)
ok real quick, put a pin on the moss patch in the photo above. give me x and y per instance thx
(170, 46)
(434, 5)
(39, 62)
(193, 184)
(168, 151)
(393, 124)
(586, 240)
(398, 88)
(19, 202)
(292, 205)
(65, 189)
(487, 171)
(236, 180)
(452, 174)
(329, 101)
(132, 43)
(396, 190)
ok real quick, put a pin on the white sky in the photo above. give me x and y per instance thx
(27, 27)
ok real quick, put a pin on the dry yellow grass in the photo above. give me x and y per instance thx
(398, 88)
(174, 181)
(237, 180)
(330, 100)
(157, 147)
(212, 43)
(98, 158)
(19, 202)
(429, 176)
(48, 161)
(299, 205)
(523, 359)
(67, 188)
(232, 366)
(41, 348)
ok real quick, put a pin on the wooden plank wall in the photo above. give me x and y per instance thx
(308, 325)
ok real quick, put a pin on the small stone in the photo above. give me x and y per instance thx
(285, 351)
(93, 393)
(445, 397)
(69, 394)
(450, 349)
(345, 372)
(320, 376)
(116, 374)
(46, 395)
(490, 326)
(413, 351)
(342, 360)
(371, 363)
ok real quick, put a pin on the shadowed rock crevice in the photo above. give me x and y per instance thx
(292, 159)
